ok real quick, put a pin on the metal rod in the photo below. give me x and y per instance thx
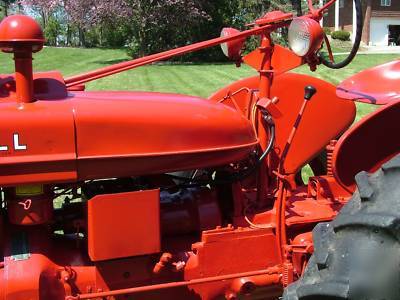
(24, 76)
(120, 67)
(274, 272)
(327, 5)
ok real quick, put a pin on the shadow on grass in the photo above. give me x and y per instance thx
(111, 61)
(164, 63)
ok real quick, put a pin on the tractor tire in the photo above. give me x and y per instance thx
(357, 255)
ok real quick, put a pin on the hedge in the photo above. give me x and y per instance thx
(341, 35)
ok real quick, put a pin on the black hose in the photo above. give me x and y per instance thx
(271, 126)
(356, 44)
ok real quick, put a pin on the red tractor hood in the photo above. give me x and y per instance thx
(89, 135)
(143, 133)
(378, 85)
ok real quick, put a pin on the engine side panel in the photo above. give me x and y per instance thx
(326, 116)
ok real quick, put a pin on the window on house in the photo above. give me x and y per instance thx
(341, 3)
(386, 2)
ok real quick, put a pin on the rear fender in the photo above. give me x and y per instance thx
(367, 145)
(325, 118)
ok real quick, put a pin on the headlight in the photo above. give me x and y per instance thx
(305, 36)
(232, 49)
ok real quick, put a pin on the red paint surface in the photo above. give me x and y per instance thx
(378, 85)
(161, 240)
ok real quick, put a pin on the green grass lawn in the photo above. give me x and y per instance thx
(193, 79)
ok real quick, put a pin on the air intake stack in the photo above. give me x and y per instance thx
(22, 36)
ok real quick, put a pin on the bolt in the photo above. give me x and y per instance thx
(230, 296)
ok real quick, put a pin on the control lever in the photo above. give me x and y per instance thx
(309, 92)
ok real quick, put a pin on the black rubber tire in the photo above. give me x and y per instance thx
(357, 255)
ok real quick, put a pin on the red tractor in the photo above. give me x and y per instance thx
(137, 195)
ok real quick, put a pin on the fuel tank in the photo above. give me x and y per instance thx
(64, 136)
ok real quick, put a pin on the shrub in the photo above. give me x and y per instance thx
(133, 49)
(341, 35)
(52, 31)
(327, 31)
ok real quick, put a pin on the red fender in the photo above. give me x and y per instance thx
(325, 118)
(367, 145)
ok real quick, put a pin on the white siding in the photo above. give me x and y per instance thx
(380, 30)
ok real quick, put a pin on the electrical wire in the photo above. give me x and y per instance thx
(193, 182)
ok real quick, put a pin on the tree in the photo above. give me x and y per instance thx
(52, 31)
(5, 6)
(43, 7)
(148, 26)
(90, 13)
(367, 22)
(86, 15)
(163, 24)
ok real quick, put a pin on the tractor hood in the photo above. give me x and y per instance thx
(143, 133)
(379, 85)
(87, 135)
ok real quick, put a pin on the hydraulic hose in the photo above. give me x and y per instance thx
(356, 45)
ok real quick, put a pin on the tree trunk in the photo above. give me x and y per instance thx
(82, 41)
(68, 41)
(297, 7)
(43, 15)
(367, 23)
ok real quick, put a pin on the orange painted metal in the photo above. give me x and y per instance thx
(22, 36)
(151, 235)
(266, 277)
(124, 66)
(138, 217)
(200, 211)
(232, 49)
(30, 208)
(325, 109)
(282, 61)
(24, 76)
(143, 133)
(46, 86)
(20, 31)
(218, 253)
(38, 143)
(367, 145)
(315, 32)
(359, 87)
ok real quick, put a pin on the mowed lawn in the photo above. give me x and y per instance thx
(193, 79)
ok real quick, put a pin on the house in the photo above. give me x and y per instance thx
(381, 22)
